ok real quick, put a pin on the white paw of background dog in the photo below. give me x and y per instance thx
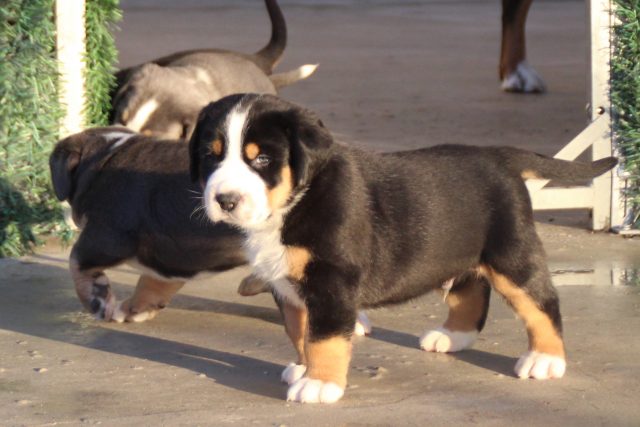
(442, 340)
(523, 79)
(540, 366)
(308, 390)
(363, 325)
(292, 373)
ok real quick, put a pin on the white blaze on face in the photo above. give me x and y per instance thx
(142, 115)
(234, 175)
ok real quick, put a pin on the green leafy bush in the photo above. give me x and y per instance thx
(30, 112)
(625, 95)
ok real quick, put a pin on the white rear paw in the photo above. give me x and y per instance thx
(308, 390)
(523, 79)
(540, 366)
(442, 340)
(292, 373)
(363, 325)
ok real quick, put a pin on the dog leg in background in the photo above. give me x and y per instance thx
(295, 324)
(515, 73)
(151, 296)
(468, 302)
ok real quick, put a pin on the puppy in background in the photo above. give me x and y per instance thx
(163, 97)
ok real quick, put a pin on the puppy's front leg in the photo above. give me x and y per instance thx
(327, 349)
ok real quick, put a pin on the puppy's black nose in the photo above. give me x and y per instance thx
(228, 201)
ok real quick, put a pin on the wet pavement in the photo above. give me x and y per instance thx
(390, 77)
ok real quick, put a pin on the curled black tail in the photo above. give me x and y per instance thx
(270, 55)
(532, 165)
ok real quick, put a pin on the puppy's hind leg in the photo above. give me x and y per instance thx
(151, 296)
(468, 301)
(536, 303)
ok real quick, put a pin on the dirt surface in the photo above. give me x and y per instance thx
(408, 75)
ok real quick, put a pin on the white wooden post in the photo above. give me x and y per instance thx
(603, 196)
(70, 45)
(70, 48)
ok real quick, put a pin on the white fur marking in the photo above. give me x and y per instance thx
(442, 340)
(141, 116)
(119, 315)
(292, 373)
(523, 79)
(363, 325)
(121, 138)
(203, 76)
(540, 366)
(306, 70)
(308, 390)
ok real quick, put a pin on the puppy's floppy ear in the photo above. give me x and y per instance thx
(309, 138)
(194, 147)
(63, 163)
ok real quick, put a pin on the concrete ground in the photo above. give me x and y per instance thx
(392, 76)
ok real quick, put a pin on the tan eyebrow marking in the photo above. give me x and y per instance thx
(251, 150)
(216, 147)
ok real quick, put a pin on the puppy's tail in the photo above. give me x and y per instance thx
(531, 165)
(269, 56)
(290, 77)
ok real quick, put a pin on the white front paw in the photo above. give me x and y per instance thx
(540, 366)
(442, 340)
(308, 390)
(363, 325)
(292, 373)
(523, 79)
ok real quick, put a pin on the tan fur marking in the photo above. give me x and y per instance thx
(125, 116)
(251, 150)
(297, 259)
(466, 307)
(328, 360)
(295, 324)
(278, 196)
(529, 174)
(542, 334)
(151, 294)
(147, 132)
(216, 147)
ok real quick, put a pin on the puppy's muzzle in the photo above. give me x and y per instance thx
(228, 201)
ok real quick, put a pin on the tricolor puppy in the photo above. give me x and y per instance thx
(163, 97)
(133, 199)
(335, 229)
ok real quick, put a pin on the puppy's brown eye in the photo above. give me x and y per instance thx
(261, 161)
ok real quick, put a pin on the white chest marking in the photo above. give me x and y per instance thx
(268, 257)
